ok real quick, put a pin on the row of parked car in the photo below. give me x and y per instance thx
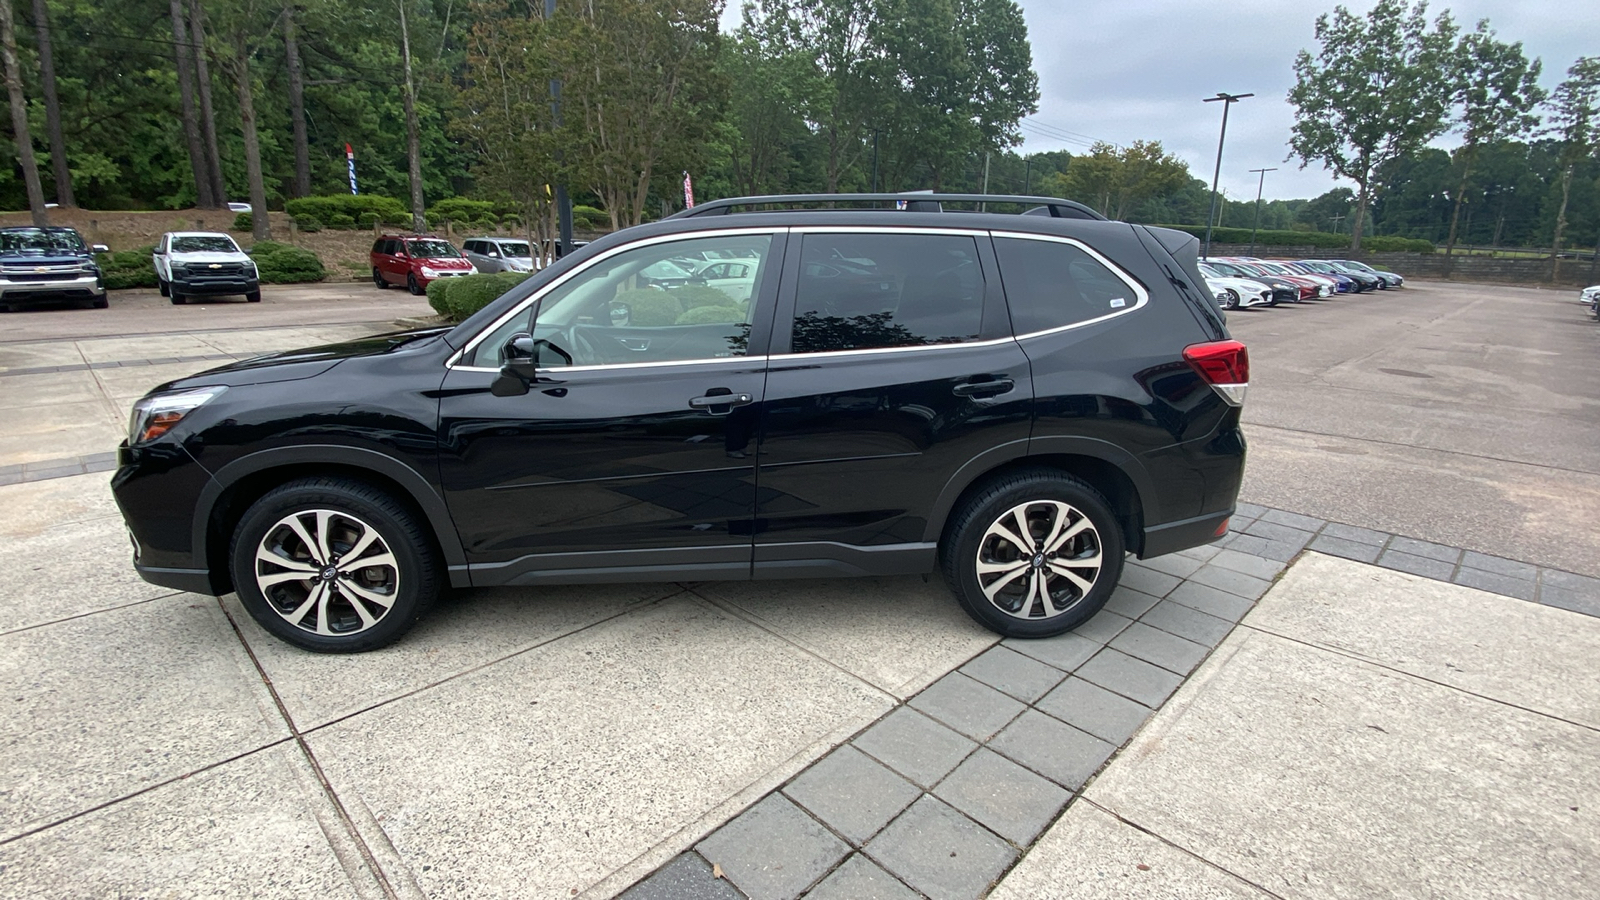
(1240, 282)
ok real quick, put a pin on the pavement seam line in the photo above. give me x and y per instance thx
(92, 612)
(332, 796)
(142, 791)
(1423, 678)
(1181, 849)
(1366, 440)
(631, 607)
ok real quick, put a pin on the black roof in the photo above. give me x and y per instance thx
(925, 202)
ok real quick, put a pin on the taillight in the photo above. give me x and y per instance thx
(1225, 365)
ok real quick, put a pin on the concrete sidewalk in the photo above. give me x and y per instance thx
(1362, 733)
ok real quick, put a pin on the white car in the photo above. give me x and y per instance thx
(193, 264)
(736, 278)
(1590, 295)
(1236, 293)
(498, 254)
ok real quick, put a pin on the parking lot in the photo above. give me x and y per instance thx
(569, 742)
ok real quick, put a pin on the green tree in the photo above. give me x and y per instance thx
(643, 85)
(1499, 96)
(1379, 87)
(1574, 108)
(1118, 180)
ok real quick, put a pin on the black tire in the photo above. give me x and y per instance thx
(253, 297)
(1233, 300)
(413, 287)
(1036, 491)
(377, 279)
(100, 302)
(411, 583)
(163, 287)
(176, 298)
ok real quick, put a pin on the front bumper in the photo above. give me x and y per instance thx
(82, 287)
(156, 487)
(197, 284)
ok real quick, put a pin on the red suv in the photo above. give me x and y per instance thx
(414, 260)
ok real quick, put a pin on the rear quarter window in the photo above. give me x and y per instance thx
(1053, 284)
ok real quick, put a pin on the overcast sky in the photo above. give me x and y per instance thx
(1121, 72)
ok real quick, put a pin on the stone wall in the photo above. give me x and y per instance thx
(1432, 265)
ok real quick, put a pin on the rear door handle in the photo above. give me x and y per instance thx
(721, 404)
(983, 388)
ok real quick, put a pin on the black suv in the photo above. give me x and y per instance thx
(1018, 400)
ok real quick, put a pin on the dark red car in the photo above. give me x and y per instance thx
(413, 260)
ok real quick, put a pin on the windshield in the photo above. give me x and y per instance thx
(432, 250)
(38, 241)
(208, 243)
(515, 249)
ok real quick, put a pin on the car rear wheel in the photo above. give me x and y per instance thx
(413, 287)
(377, 279)
(1033, 554)
(333, 566)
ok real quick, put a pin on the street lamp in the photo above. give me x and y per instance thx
(1253, 228)
(1227, 101)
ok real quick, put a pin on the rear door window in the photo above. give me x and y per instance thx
(867, 291)
(1053, 284)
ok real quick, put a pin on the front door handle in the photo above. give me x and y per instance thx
(983, 388)
(720, 401)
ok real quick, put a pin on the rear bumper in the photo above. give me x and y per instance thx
(1175, 536)
(195, 581)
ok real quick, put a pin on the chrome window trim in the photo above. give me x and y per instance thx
(632, 245)
(863, 351)
(556, 370)
(887, 229)
(1142, 295)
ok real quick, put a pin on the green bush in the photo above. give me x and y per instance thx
(127, 269)
(308, 223)
(485, 226)
(459, 297)
(341, 222)
(367, 220)
(690, 296)
(243, 222)
(589, 218)
(706, 315)
(460, 209)
(386, 209)
(1385, 244)
(286, 264)
(650, 307)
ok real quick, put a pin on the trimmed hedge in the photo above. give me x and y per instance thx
(308, 223)
(127, 268)
(1322, 239)
(286, 263)
(324, 208)
(460, 209)
(341, 222)
(458, 297)
(243, 222)
(589, 218)
(707, 315)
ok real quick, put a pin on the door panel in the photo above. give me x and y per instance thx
(902, 370)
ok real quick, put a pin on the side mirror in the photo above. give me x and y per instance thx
(520, 360)
(99, 248)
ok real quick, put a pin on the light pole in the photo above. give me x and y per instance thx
(563, 202)
(1227, 101)
(1254, 228)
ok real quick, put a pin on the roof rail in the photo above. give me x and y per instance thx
(914, 202)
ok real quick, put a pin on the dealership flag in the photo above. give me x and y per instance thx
(350, 160)
(688, 192)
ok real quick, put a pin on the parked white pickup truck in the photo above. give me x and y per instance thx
(204, 263)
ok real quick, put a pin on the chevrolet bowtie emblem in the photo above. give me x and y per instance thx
(216, 265)
(41, 269)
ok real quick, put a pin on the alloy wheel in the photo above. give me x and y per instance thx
(1039, 559)
(327, 572)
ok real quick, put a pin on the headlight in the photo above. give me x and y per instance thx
(156, 415)
(429, 273)
(472, 270)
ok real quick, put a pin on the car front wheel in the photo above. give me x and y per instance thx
(1033, 554)
(1231, 301)
(333, 566)
(413, 287)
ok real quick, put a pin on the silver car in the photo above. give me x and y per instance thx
(500, 254)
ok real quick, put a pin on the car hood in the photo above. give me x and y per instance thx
(293, 365)
(1238, 284)
(35, 258)
(443, 262)
(206, 256)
